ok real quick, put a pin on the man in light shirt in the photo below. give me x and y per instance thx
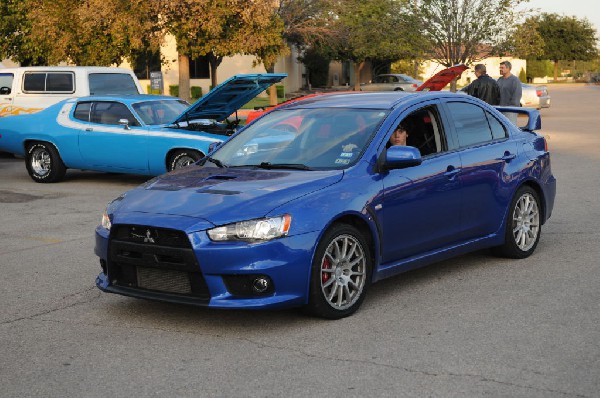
(510, 89)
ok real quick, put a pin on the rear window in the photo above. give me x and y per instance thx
(48, 82)
(471, 123)
(112, 83)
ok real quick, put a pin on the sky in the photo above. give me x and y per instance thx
(589, 9)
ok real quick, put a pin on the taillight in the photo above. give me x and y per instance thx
(414, 85)
(539, 92)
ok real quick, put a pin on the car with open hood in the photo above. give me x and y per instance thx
(310, 204)
(138, 134)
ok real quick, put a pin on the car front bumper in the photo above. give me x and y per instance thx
(219, 275)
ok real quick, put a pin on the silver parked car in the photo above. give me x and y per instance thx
(535, 96)
(392, 82)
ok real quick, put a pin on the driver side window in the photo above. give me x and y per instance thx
(107, 112)
(423, 131)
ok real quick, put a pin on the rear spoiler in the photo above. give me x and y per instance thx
(534, 120)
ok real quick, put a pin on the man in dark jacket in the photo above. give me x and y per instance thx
(484, 87)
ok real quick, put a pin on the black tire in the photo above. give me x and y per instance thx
(340, 274)
(523, 225)
(182, 158)
(399, 89)
(44, 163)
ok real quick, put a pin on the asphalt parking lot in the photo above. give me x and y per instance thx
(472, 326)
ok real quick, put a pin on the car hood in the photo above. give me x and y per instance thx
(442, 78)
(229, 96)
(222, 196)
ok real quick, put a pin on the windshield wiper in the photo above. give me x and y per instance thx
(215, 161)
(291, 166)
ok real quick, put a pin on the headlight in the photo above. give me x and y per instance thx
(253, 230)
(105, 221)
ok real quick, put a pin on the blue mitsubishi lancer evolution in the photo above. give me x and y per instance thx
(312, 203)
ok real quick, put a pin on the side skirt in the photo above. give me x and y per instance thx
(390, 269)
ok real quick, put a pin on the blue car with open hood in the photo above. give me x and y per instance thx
(139, 134)
(310, 204)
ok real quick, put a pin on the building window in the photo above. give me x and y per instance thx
(199, 68)
(145, 62)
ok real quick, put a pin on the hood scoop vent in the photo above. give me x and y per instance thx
(220, 178)
(218, 191)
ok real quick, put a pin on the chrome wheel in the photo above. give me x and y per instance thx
(183, 161)
(526, 222)
(343, 272)
(182, 158)
(41, 161)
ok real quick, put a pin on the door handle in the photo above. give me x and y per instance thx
(89, 129)
(508, 156)
(451, 172)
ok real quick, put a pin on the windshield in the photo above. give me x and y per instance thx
(160, 111)
(329, 138)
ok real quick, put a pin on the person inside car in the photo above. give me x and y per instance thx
(400, 135)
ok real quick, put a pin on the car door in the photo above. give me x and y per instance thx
(488, 167)
(105, 143)
(420, 205)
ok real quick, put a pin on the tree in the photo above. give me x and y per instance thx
(567, 38)
(220, 28)
(464, 31)
(537, 68)
(317, 67)
(86, 32)
(15, 31)
(525, 40)
(378, 29)
(309, 25)
(523, 75)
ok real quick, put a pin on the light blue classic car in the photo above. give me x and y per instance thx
(140, 134)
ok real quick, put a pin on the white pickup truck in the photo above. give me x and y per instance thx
(32, 88)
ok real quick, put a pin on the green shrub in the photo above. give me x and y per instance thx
(174, 90)
(523, 76)
(196, 92)
(150, 91)
(280, 91)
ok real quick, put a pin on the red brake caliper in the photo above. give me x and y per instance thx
(325, 275)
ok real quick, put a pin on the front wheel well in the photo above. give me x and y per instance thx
(364, 229)
(28, 143)
(172, 152)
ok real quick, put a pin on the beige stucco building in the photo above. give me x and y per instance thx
(341, 74)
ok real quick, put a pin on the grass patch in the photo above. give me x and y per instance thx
(259, 102)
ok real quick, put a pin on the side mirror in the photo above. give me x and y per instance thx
(399, 157)
(4, 90)
(124, 123)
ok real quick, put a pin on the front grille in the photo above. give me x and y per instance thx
(163, 280)
(156, 236)
(154, 259)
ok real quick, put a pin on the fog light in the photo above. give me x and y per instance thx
(260, 284)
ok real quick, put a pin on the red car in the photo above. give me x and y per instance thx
(436, 83)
